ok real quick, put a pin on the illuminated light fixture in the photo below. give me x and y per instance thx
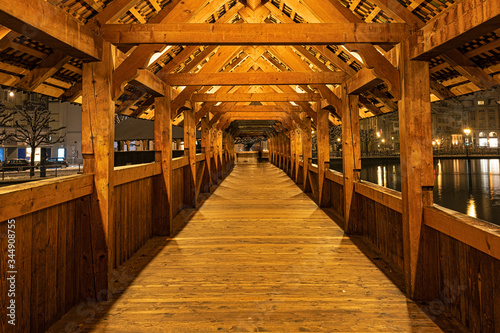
(11, 94)
(218, 103)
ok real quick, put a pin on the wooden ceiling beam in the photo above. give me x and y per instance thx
(47, 67)
(51, 26)
(470, 70)
(440, 91)
(471, 19)
(176, 11)
(254, 108)
(245, 79)
(255, 97)
(255, 34)
(364, 80)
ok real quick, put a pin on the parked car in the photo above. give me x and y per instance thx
(16, 164)
(54, 162)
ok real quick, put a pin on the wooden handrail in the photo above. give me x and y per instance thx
(129, 173)
(179, 162)
(334, 176)
(200, 157)
(481, 235)
(313, 168)
(380, 194)
(22, 199)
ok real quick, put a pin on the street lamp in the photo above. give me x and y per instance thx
(467, 132)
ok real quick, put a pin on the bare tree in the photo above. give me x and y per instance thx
(367, 136)
(34, 129)
(5, 117)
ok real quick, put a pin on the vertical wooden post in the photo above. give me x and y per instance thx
(417, 178)
(98, 115)
(298, 153)
(163, 154)
(220, 153)
(271, 149)
(190, 152)
(293, 151)
(323, 146)
(307, 152)
(214, 151)
(205, 147)
(351, 156)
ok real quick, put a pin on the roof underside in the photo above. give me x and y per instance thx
(23, 61)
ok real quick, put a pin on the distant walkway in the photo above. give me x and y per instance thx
(258, 256)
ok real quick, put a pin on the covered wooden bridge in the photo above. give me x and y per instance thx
(159, 246)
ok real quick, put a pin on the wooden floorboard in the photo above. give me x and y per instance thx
(257, 256)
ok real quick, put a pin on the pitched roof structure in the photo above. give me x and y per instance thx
(343, 41)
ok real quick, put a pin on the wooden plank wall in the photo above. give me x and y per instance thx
(178, 190)
(380, 226)
(53, 255)
(133, 207)
(336, 197)
(469, 281)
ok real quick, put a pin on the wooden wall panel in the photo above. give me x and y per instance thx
(469, 281)
(381, 227)
(336, 197)
(177, 190)
(52, 260)
(134, 217)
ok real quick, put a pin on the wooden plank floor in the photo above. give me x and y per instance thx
(258, 256)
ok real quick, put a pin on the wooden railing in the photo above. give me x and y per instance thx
(379, 220)
(133, 207)
(460, 255)
(52, 248)
(53, 227)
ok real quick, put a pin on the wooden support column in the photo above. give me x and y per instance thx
(293, 151)
(220, 153)
(270, 143)
(98, 115)
(307, 152)
(214, 151)
(162, 213)
(417, 179)
(205, 148)
(190, 152)
(351, 156)
(323, 146)
(298, 153)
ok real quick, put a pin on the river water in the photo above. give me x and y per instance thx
(469, 186)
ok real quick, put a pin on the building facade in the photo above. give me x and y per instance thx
(65, 115)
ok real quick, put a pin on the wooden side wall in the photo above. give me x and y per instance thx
(459, 254)
(380, 226)
(133, 214)
(52, 253)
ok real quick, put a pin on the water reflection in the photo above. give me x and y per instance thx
(471, 207)
(468, 186)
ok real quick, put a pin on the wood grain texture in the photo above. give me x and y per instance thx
(258, 255)
(51, 261)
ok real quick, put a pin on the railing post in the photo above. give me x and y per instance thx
(98, 114)
(351, 157)
(162, 209)
(205, 144)
(307, 152)
(417, 178)
(323, 144)
(190, 150)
